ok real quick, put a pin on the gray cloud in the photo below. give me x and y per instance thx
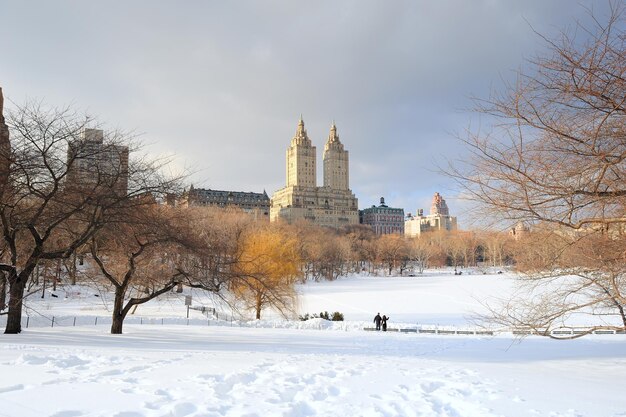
(222, 84)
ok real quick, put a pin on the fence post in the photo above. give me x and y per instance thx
(141, 320)
(96, 323)
(52, 321)
(27, 321)
(74, 321)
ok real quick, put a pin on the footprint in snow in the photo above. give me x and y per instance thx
(139, 368)
(71, 362)
(111, 372)
(431, 386)
(287, 394)
(11, 388)
(164, 394)
(300, 409)
(183, 409)
(334, 391)
(67, 413)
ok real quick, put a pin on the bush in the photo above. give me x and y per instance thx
(336, 316)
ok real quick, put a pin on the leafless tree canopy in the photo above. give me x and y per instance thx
(556, 159)
(48, 213)
(557, 152)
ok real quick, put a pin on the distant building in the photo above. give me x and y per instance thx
(383, 219)
(257, 204)
(92, 163)
(5, 147)
(334, 204)
(438, 219)
(519, 231)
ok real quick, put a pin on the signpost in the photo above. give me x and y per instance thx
(188, 303)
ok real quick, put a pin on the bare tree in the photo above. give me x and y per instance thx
(39, 205)
(556, 156)
(359, 237)
(393, 252)
(420, 252)
(140, 257)
(496, 248)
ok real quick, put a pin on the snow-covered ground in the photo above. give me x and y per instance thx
(209, 370)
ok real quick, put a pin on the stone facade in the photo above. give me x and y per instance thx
(96, 164)
(257, 204)
(383, 219)
(332, 205)
(438, 219)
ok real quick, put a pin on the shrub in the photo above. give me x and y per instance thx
(337, 316)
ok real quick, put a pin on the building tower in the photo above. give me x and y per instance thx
(439, 206)
(95, 164)
(301, 169)
(5, 147)
(332, 205)
(335, 162)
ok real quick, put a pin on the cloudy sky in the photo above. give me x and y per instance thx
(221, 84)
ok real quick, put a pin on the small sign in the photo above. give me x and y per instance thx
(188, 300)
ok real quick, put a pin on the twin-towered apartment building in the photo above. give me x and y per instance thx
(332, 204)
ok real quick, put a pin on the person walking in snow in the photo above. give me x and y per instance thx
(384, 321)
(377, 320)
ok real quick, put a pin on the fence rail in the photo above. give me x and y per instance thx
(515, 332)
(229, 321)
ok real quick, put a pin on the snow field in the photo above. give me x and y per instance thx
(283, 368)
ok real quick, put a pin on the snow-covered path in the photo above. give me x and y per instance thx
(222, 371)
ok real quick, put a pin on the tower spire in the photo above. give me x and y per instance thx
(301, 137)
(333, 137)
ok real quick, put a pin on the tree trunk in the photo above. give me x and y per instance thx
(3, 291)
(258, 308)
(119, 314)
(57, 276)
(117, 324)
(71, 268)
(14, 316)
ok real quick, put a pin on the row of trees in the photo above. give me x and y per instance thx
(329, 254)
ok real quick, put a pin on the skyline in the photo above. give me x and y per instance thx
(222, 87)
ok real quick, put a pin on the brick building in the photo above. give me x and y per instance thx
(383, 219)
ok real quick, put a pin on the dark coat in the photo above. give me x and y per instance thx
(384, 320)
